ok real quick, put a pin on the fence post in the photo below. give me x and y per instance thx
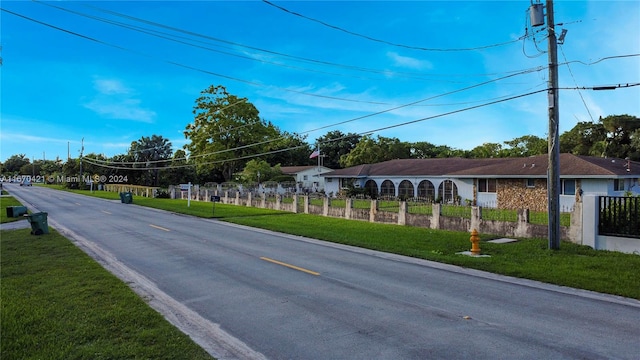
(249, 198)
(347, 208)
(373, 210)
(295, 203)
(325, 206)
(476, 217)
(306, 204)
(435, 217)
(402, 214)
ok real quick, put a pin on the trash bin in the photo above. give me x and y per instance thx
(16, 211)
(126, 197)
(39, 224)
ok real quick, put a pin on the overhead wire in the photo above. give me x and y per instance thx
(575, 82)
(300, 146)
(297, 58)
(385, 41)
(122, 48)
(370, 114)
(368, 132)
(253, 83)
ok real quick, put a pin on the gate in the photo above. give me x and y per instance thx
(619, 216)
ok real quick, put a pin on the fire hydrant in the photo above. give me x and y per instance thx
(475, 242)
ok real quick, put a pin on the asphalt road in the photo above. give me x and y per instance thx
(247, 293)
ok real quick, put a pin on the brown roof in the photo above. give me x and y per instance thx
(292, 170)
(534, 166)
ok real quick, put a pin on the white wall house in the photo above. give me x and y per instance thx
(308, 178)
(503, 182)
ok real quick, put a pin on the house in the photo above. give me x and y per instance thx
(508, 183)
(307, 177)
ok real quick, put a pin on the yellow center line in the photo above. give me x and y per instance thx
(106, 212)
(290, 266)
(159, 227)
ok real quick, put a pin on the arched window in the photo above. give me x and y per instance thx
(426, 190)
(405, 190)
(448, 191)
(372, 188)
(387, 189)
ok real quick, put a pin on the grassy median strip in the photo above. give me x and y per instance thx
(58, 303)
(5, 202)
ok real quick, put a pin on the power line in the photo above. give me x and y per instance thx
(575, 82)
(370, 114)
(296, 58)
(361, 133)
(253, 83)
(385, 41)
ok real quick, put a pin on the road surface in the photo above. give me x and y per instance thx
(254, 294)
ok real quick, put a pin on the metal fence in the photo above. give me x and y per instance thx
(619, 216)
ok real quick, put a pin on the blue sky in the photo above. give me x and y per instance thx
(112, 72)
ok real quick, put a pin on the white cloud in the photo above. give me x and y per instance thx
(114, 100)
(30, 139)
(110, 87)
(409, 62)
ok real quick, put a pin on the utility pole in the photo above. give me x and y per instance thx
(553, 170)
(81, 151)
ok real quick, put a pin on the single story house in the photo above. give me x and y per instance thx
(508, 183)
(307, 177)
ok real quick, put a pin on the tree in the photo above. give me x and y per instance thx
(288, 150)
(259, 171)
(15, 162)
(226, 132)
(369, 151)
(179, 171)
(585, 138)
(528, 145)
(424, 150)
(620, 130)
(635, 146)
(149, 152)
(486, 150)
(334, 145)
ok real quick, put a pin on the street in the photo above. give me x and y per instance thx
(249, 293)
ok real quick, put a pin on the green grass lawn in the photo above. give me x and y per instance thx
(58, 303)
(4, 203)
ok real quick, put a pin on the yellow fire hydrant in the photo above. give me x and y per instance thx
(475, 242)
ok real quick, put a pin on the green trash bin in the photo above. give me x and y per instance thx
(126, 197)
(16, 211)
(39, 224)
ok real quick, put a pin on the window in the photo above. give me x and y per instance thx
(329, 180)
(618, 185)
(426, 190)
(305, 177)
(405, 189)
(487, 185)
(448, 191)
(531, 183)
(387, 188)
(568, 187)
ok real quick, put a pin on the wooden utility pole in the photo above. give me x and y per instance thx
(553, 171)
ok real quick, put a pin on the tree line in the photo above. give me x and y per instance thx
(229, 141)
